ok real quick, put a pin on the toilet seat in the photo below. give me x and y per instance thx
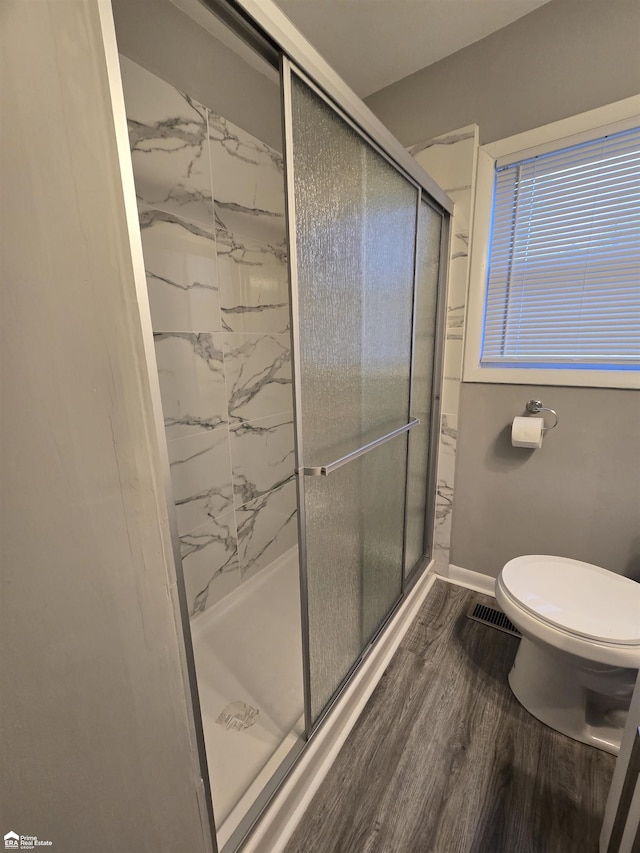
(578, 599)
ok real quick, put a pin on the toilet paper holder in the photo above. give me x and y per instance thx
(534, 407)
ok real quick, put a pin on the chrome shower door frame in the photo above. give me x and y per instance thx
(337, 104)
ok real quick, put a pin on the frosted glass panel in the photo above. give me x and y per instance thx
(355, 221)
(354, 525)
(427, 269)
(355, 227)
(383, 483)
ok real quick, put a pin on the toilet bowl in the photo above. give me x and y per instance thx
(579, 655)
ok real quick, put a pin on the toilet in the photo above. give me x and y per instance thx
(579, 655)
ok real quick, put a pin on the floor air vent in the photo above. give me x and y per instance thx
(493, 617)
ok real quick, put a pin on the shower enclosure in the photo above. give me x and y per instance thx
(356, 224)
(296, 290)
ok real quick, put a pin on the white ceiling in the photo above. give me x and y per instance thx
(373, 43)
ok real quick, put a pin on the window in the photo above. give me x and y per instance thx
(561, 274)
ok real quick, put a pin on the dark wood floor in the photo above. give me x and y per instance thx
(445, 760)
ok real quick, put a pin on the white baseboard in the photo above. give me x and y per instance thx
(276, 826)
(471, 580)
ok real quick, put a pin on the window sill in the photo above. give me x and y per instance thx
(578, 377)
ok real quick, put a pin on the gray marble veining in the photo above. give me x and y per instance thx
(211, 212)
(168, 137)
(182, 274)
(201, 477)
(267, 528)
(262, 456)
(240, 145)
(245, 251)
(447, 139)
(445, 487)
(192, 381)
(258, 369)
(210, 562)
(455, 322)
(250, 232)
(226, 209)
(254, 284)
(458, 189)
(246, 171)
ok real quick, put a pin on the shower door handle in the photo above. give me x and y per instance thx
(325, 470)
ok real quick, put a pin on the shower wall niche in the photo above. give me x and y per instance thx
(211, 207)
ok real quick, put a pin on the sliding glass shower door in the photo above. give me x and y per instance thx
(352, 231)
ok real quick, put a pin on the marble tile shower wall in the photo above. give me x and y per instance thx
(211, 206)
(451, 161)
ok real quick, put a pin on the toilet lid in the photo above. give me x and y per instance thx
(577, 597)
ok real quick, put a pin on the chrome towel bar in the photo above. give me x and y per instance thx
(325, 470)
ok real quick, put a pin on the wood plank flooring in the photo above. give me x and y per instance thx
(445, 760)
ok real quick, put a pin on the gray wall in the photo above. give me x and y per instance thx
(578, 496)
(97, 738)
(165, 41)
(564, 58)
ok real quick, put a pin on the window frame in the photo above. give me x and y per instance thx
(622, 115)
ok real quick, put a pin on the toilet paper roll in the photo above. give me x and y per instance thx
(527, 432)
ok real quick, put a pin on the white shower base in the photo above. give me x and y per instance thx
(248, 651)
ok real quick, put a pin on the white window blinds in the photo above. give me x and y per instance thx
(564, 261)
